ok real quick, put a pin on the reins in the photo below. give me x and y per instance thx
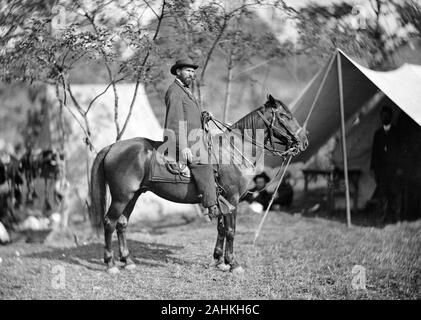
(289, 152)
(273, 150)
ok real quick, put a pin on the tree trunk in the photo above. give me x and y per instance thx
(228, 90)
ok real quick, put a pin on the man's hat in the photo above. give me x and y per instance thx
(262, 175)
(181, 63)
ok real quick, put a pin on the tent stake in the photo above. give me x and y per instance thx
(344, 153)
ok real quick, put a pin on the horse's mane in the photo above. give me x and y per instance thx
(248, 121)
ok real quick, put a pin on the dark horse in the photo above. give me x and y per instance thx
(124, 166)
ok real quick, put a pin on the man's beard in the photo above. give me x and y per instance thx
(186, 80)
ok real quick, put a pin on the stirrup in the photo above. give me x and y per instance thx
(212, 215)
(225, 206)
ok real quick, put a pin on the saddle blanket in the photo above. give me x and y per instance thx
(164, 170)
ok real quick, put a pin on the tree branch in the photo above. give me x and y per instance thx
(91, 19)
(150, 7)
(102, 93)
(140, 71)
(85, 130)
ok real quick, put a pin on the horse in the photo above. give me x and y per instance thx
(124, 166)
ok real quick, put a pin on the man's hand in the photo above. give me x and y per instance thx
(206, 116)
(187, 154)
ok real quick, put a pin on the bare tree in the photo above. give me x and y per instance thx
(35, 52)
(204, 28)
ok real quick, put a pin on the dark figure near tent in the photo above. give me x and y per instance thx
(258, 194)
(384, 163)
(285, 192)
(410, 160)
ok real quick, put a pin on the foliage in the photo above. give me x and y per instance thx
(410, 13)
(206, 30)
(39, 50)
(360, 31)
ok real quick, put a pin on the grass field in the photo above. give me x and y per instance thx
(294, 258)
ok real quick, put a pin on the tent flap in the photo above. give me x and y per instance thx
(402, 86)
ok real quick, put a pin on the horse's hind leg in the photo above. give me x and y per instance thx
(219, 246)
(122, 223)
(110, 223)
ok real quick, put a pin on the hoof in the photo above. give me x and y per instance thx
(220, 265)
(113, 270)
(238, 271)
(223, 267)
(130, 266)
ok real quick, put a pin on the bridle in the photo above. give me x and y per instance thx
(291, 150)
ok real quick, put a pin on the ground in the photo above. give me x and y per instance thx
(295, 257)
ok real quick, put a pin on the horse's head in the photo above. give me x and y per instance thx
(282, 126)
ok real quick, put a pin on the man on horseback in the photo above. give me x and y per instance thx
(184, 115)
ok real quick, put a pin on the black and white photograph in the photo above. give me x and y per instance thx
(226, 153)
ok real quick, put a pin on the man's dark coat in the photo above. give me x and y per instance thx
(384, 155)
(181, 106)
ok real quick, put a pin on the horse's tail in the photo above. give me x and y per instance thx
(98, 191)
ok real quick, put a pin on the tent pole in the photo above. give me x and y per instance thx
(344, 153)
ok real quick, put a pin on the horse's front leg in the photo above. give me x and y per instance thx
(218, 253)
(230, 224)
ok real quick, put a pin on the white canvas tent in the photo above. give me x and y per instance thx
(143, 123)
(341, 89)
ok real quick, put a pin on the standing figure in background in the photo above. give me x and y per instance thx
(410, 160)
(384, 164)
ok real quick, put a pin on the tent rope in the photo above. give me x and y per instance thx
(270, 203)
(319, 90)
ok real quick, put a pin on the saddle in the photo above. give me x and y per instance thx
(165, 169)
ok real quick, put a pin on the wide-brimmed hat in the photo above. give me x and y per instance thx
(262, 175)
(181, 63)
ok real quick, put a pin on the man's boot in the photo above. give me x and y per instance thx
(224, 205)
